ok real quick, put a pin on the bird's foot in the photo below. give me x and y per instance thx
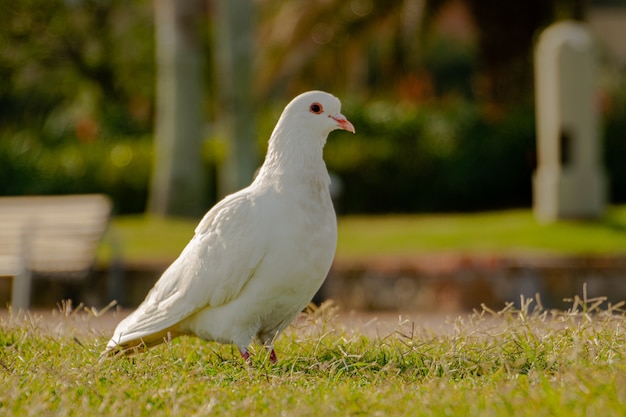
(273, 358)
(246, 355)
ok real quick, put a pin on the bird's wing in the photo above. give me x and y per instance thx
(212, 269)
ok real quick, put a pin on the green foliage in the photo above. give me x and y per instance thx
(120, 169)
(67, 64)
(615, 144)
(431, 158)
(76, 88)
(404, 158)
(77, 92)
(448, 156)
(519, 362)
(451, 65)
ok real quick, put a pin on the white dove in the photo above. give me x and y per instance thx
(259, 255)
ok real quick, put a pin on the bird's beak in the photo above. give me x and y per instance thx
(342, 122)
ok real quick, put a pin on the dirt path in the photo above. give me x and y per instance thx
(371, 324)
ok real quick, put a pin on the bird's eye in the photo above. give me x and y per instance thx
(316, 108)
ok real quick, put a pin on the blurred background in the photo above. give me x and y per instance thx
(440, 92)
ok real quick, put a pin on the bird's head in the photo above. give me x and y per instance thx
(318, 111)
(297, 142)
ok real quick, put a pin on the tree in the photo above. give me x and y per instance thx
(507, 31)
(178, 184)
(234, 25)
(64, 64)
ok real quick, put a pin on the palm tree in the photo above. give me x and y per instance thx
(372, 46)
(178, 183)
(234, 27)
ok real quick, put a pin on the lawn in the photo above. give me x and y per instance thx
(506, 232)
(514, 362)
(509, 232)
(525, 362)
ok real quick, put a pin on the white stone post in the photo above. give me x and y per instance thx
(569, 181)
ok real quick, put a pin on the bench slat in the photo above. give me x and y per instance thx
(50, 235)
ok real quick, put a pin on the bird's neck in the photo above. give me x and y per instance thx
(295, 157)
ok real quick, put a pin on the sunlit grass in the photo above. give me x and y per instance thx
(144, 238)
(149, 239)
(526, 362)
(503, 232)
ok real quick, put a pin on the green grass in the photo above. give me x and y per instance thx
(514, 362)
(502, 232)
(512, 232)
(143, 238)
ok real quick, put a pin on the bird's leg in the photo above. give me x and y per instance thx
(245, 354)
(270, 349)
(268, 342)
(273, 358)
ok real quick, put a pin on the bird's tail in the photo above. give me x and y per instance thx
(135, 346)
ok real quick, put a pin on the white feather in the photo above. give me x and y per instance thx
(258, 256)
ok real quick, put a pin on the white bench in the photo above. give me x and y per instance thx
(52, 236)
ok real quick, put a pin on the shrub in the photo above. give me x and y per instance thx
(118, 168)
(437, 157)
(433, 158)
(615, 150)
